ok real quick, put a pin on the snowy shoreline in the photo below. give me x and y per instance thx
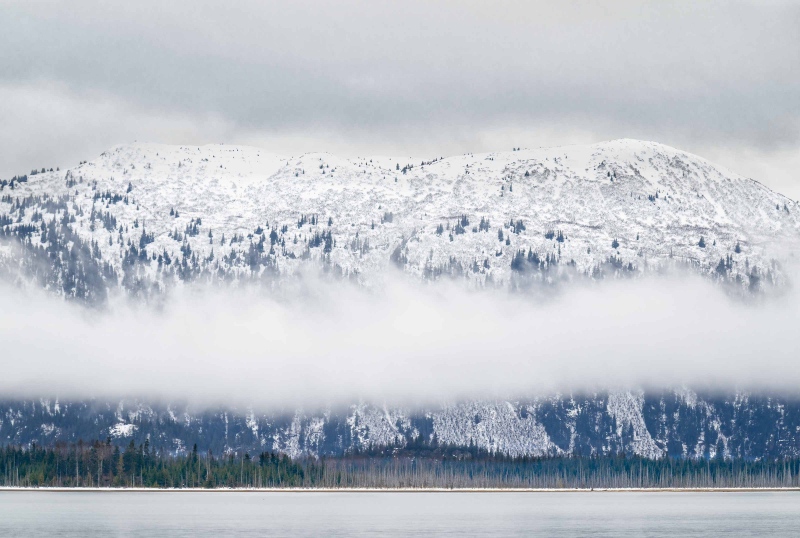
(400, 490)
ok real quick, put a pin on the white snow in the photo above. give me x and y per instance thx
(122, 430)
(592, 194)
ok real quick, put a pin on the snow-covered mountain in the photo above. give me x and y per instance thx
(145, 217)
(654, 424)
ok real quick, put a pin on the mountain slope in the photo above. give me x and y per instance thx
(144, 217)
(654, 424)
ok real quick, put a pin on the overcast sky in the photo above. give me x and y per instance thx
(422, 78)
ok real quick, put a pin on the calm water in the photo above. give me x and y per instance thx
(398, 514)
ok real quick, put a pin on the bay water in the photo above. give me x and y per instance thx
(300, 514)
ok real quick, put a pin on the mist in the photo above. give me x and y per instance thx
(405, 343)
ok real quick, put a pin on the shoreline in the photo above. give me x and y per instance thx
(396, 490)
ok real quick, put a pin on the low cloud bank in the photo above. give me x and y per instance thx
(405, 343)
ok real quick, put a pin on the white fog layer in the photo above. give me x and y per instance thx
(406, 343)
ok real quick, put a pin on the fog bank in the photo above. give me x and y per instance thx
(405, 343)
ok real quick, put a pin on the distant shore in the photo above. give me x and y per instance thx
(397, 490)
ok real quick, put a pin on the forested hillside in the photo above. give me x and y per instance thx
(652, 424)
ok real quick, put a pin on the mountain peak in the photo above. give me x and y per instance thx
(519, 218)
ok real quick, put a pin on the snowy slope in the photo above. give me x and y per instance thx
(676, 423)
(148, 216)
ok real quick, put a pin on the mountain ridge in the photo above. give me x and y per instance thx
(148, 216)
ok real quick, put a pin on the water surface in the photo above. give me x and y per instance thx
(299, 514)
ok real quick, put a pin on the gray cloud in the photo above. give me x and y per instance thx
(413, 77)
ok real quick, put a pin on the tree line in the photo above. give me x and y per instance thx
(102, 464)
